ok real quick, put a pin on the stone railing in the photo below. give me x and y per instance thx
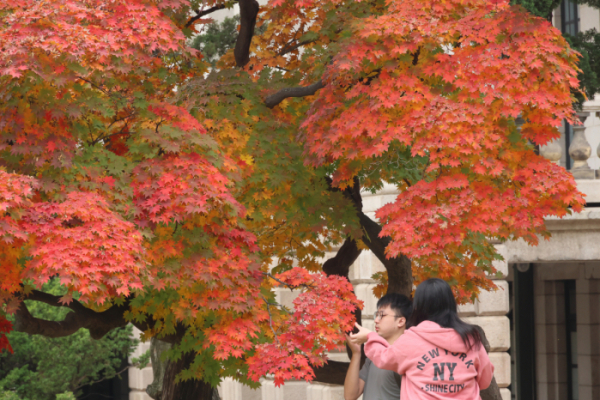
(580, 149)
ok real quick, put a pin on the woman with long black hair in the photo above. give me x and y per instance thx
(439, 356)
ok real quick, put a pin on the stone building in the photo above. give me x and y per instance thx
(543, 324)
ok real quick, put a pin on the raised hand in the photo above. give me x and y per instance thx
(354, 347)
(359, 337)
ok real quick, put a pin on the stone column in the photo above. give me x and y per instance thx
(139, 379)
(489, 312)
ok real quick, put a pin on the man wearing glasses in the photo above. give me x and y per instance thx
(378, 384)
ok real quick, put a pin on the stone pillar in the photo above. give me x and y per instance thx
(588, 338)
(489, 312)
(139, 379)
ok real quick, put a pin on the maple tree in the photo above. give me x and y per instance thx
(178, 197)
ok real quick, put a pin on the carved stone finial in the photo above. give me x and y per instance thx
(580, 150)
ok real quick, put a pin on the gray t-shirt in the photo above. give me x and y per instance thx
(380, 384)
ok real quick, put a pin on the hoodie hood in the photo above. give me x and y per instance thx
(444, 338)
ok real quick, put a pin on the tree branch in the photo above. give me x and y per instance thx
(289, 48)
(276, 98)
(53, 300)
(248, 13)
(98, 323)
(345, 257)
(200, 14)
(399, 269)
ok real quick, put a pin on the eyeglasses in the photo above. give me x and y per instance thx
(380, 314)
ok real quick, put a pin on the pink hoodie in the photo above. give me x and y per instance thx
(433, 362)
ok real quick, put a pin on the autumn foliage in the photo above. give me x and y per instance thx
(139, 176)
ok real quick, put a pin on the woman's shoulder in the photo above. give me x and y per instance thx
(409, 339)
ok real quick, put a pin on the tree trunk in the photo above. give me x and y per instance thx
(165, 387)
(493, 391)
(157, 347)
(190, 389)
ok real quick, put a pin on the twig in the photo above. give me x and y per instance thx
(291, 287)
(270, 318)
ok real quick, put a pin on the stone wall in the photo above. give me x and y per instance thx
(489, 312)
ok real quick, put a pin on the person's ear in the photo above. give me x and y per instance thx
(401, 322)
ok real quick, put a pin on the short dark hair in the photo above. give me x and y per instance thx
(401, 304)
(434, 301)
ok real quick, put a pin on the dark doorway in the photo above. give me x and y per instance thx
(571, 325)
(524, 328)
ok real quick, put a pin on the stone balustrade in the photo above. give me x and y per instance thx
(584, 155)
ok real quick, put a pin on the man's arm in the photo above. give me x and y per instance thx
(353, 385)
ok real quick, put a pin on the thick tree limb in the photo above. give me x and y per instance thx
(98, 323)
(200, 14)
(399, 268)
(345, 257)
(301, 91)
(248, 13)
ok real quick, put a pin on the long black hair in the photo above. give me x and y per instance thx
(435, 302)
